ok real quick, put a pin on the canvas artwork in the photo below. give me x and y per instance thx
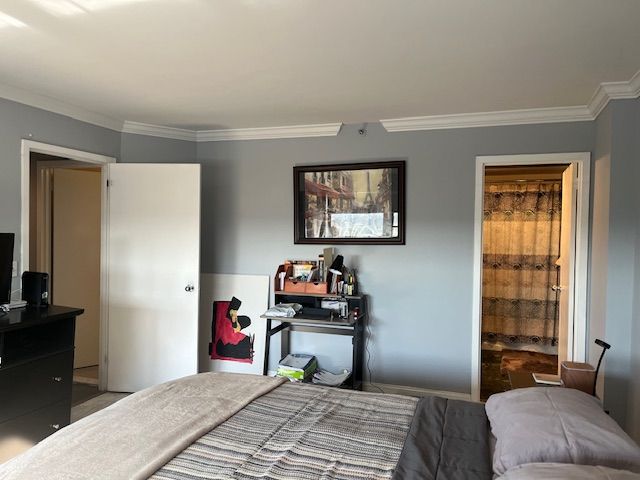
(355, 203)
(230, 307)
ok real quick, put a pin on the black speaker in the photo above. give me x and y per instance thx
(35, 289)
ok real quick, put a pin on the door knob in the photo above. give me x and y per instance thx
(189, 288)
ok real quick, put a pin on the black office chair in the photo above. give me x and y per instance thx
(605, 346)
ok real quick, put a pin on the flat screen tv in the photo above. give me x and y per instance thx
(6, 266)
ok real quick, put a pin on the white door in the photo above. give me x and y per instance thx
(76, 254)
(566, 262)
(153, 271)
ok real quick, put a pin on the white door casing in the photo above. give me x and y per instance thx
(101, 161)
(153, 272)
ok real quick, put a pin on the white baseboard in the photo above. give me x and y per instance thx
(404, 390)
(414, 391)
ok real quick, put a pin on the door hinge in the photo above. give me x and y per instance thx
(109, 183)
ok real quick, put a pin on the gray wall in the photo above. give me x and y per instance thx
(633, 421)
(622, 232)
(17, 122)
(146, 149)
(616, 226)
(421, 293)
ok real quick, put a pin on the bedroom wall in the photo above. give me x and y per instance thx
(420, 336)
(17, 122)
(614, 256)
(634, 397)
(146, 149)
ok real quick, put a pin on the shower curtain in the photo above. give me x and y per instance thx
(521, 244)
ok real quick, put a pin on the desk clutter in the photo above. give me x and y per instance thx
(327, 274)
(301, 367)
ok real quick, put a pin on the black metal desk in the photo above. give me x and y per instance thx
(320, 324)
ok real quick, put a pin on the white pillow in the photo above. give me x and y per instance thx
(564, 471)
(556, 425)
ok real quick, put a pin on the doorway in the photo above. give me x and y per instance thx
(530, 267)
(65, 220)
(63, 231)
(521, 246)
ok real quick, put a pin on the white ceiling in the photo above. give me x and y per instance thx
(207, 64)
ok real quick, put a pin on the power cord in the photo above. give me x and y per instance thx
(366, 347)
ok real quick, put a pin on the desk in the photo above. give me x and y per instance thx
(320, 324)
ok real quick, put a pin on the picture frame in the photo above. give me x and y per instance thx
(351, 203)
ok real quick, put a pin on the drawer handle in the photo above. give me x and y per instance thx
(57, 379)
(55, 426)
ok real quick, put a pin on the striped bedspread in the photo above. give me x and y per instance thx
(301, 432)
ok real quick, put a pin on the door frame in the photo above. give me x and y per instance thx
(29, 146)
(577, 293)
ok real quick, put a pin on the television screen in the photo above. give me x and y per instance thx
(6, 266)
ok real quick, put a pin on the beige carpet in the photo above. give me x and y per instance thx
(95, 404)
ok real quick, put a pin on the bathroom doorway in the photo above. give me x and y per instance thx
(532, 250)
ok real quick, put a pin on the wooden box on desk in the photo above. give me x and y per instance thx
(578, 375)
(295, 286)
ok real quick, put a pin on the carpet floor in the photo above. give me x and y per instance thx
(95, 404)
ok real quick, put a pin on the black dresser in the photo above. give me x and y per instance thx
(36, 374)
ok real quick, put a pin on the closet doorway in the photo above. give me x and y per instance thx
(531, 262)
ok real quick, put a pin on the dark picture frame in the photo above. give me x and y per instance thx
(350, 203)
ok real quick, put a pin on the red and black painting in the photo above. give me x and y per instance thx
(228, 340)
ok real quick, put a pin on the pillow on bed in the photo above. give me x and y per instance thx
(560, 425)
(563, 471)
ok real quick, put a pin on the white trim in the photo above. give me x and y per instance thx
(50, 104)
(413, 391)
(489, 119)
(159, 131)
(582, 163)
(29, 146)
(605, 92)
(262, 133)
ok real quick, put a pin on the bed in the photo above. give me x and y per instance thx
(222, 426)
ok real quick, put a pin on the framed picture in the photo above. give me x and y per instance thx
(357, 203)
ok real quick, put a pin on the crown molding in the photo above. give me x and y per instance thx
(605, 92)
(608, 91)
(489, 119)
(50, 104)
(262, 133)
(159, 131)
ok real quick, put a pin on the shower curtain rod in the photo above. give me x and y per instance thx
(523, 181)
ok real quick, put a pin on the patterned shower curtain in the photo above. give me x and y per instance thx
(521, 245)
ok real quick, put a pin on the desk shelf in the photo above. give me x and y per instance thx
(353, 327)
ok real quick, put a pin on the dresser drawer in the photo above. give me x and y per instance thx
(36, 384)
(18, 434)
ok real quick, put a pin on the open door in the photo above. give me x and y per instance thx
(566, 262)
(153, 270)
